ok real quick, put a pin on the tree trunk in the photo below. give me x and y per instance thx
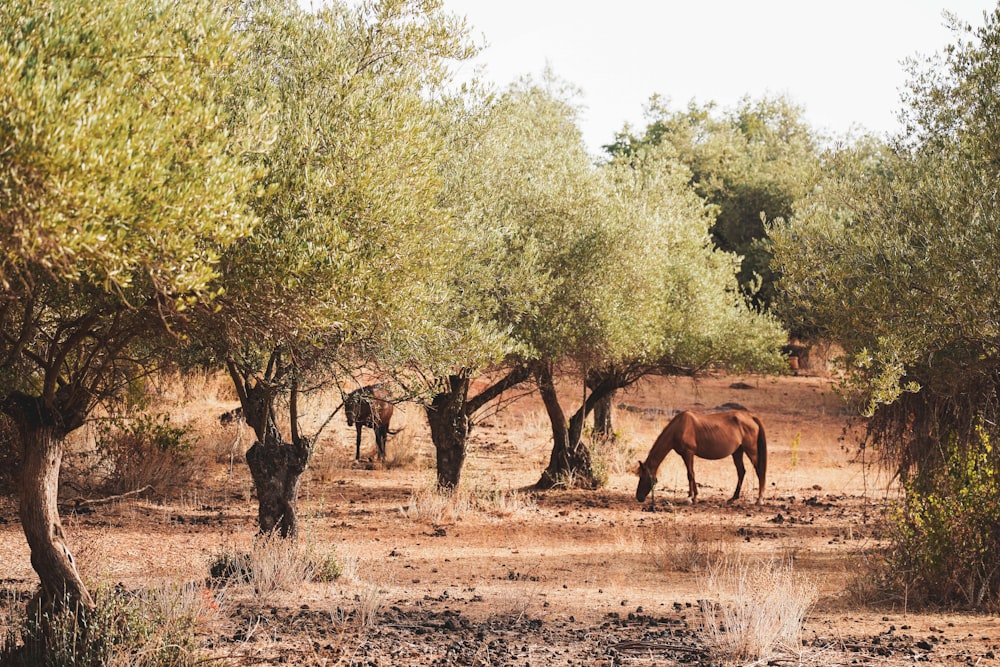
(275, 465)
(450, 414)
(277, 469)
(42, 441)
(449, 424)
(603, 427)
(569, 464)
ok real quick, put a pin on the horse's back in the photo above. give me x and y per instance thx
(719, 434)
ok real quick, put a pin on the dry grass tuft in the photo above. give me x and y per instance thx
(676, 549)
(273, 566)
(369, 598)
(615, 456)
(515, 602)
(758, 610)
(434, 506)
(367, 585)
(429, 505)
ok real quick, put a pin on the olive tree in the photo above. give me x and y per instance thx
(119, 185)
(897, 261)
(344, 260)
(495, 276)
(644, 291)
(607, 271)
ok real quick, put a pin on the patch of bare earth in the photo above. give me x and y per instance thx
(499, 575)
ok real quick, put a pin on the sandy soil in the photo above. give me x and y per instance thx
(505, 576)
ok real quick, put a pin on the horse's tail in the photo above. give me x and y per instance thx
(761, 454)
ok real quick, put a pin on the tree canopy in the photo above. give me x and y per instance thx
(896, 259)
(752, 162)
(350, 233)
(120, 183)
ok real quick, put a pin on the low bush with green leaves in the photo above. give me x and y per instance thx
(153, 627)
(944, 532)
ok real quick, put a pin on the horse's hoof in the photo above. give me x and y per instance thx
(690, 501)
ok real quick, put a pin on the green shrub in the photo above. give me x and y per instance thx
(146, 628)
(945, 531)
(326, 567)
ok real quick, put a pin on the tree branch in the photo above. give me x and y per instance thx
(516, 376)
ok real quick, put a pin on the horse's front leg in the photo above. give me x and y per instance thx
(357, 443)
(652, 501)
(692, 485)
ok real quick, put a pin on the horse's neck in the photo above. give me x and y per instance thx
(656, 455)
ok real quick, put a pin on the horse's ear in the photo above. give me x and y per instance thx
(638, 469)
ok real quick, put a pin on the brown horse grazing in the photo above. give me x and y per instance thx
(711, 436)
(369, 406)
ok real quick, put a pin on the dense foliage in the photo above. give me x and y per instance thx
(897, 260)
(752, 163)
(120, 182)
(350, 236)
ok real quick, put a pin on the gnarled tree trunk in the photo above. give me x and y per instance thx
(569, 463)
(275, 465)
(449, 424)
(42, 435)
(276, 468)
(450, 414)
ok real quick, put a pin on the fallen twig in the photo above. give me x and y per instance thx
(87, 502)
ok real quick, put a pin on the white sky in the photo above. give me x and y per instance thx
(841, 61)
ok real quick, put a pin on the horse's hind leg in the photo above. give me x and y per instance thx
(740, 472)
(754, 461)
(381, 433)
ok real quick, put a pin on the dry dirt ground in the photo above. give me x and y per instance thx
(505, 576)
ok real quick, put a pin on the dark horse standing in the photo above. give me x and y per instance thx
(369, 406)
(711, 436)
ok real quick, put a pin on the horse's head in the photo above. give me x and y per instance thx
(646, 482)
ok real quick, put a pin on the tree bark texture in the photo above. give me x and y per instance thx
(449, 424)
(42, 438)
(276, 468)
(450, 415)
(275, 465)
(570, 463)
(602, 417)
